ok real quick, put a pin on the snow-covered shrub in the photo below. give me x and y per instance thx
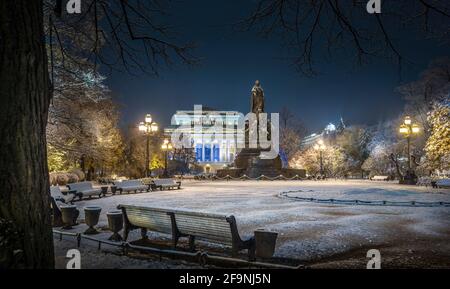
(79, 173)
(62, 179)
(72, 178)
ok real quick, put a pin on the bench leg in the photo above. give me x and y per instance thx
(251, 252)
(175, 240)
(126, 231)
(234, 252)
(144, 233)
(192, 243)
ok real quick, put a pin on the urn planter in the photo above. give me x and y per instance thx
(104, 190)
(265, 242)
(115, 223)
(69, 216)
(91, 216)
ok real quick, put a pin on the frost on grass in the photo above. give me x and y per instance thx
(306, 230)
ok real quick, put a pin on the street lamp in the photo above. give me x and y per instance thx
(149, 128)
(166, 147)
(320, 147)
(408, 129)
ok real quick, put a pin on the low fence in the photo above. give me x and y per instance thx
(261, 177)
(286, 195)
(200, 257)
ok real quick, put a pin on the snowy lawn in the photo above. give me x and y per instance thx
(308, 231)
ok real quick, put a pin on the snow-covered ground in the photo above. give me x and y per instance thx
(309, 231)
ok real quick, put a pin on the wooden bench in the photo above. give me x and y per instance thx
(55, 213)
(214, 228)
(380, 178)
(58, 195)
(443, 183)
(165, 184)
(85, 189)
(131, 186)
(424, 181)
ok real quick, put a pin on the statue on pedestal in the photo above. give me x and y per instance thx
(248, 161)
(257, 99)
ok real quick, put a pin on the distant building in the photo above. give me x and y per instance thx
(328, 134)
(211, 152)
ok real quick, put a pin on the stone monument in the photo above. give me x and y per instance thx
(248, 162)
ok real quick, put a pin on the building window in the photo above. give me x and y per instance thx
(216, 153)
(207, 153)
(198, 152)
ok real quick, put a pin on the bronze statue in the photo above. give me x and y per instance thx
(257, 101)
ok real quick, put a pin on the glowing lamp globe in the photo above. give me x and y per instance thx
(408, 120)
(148, 118)
(142, 126)
(154, 127)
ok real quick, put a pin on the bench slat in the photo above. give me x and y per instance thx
(154, 220)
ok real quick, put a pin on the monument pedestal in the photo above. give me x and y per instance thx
(249, 163)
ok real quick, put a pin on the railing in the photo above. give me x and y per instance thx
(200, 257)
(362, 202)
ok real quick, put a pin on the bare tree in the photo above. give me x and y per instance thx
(319, 29)
(433, 85)
(112, 33)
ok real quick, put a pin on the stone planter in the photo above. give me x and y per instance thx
(104, 190)
(115, 223)
(265, 242)
(69, 216)
(91, 216)
(113, 189)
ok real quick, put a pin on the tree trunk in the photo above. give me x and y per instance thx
(24, 99)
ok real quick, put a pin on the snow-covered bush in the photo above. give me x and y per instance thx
(79, 173)
(72, 178)
(62, 179)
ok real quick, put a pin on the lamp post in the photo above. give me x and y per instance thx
(320, 147)
(166, 147)
(149, 128)
(409, 129)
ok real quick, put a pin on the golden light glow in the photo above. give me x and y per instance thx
(166, 145)
(404, 129)
(408, 120)
(142, 127)
(320, 146)
(148, 118)
(415, 128)
(154, 127)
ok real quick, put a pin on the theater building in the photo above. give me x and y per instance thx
(213, 134)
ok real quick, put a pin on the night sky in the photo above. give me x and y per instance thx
(232, 60)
